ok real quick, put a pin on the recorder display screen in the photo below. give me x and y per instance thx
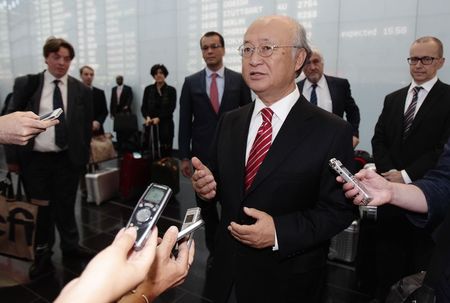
(189, 218)
(154, 195)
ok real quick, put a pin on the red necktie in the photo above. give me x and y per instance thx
(214, 93)
(260, 147)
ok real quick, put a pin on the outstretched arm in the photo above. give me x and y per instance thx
(406, 196)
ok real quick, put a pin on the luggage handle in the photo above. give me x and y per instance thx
(152, 142)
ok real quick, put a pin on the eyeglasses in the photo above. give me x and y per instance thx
(265, 50)
(425, 60)
(212, 46)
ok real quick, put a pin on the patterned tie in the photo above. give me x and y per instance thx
(60, 129)
(214, 93)
(408, 118)
(313, 98)
(260, 147)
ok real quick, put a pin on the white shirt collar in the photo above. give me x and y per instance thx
(49, 78)
(219, 72)
(320, 83)
(426, 85)
(280, 108)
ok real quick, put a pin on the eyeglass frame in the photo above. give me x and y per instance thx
(258, 49)
(410, 59)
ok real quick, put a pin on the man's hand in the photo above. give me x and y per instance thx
(95, 125)
(203, 180)
(355, 141)
(19, 127)
(394, 176)
(378, 188)
(155, 121)
(258, 235)
(186, 168)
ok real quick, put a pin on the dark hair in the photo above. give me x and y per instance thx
(52, 45)
(155, 69)
(85, 66)
(210, 34)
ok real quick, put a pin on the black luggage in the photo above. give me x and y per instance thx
(163, 170)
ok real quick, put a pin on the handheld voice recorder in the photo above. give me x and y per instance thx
(148, 210)
(52, 115)
(192, 221)
(348, 177)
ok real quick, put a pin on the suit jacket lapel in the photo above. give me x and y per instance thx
(36, 97)
(427, 105)
(227, 83)
(399, 111)
(333, 92)
(71, 98)
(294, 127)
(240, 124)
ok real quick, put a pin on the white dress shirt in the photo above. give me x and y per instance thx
(322, 91)
(119, 92)
(45, 141)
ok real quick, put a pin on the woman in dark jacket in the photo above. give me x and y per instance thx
(158, 104)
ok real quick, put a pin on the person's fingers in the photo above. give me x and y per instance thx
(151, 242)
(253, 212)
(197, 164)
(29, 114)
(169, 240)
(125, 240)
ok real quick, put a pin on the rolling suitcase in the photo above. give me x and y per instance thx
(102, 185)
(166, 171)
(163, 170)
(134, 175)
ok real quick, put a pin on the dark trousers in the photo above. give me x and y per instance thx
(303, 288)
(51, 177)
(402, 249)
(210, 215)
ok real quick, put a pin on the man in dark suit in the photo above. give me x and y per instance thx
(199, 113)
(121, 99)
(98, 97)
(331, 93)
(100, 113)
(51, 163)
(409, 136)
(269, 170)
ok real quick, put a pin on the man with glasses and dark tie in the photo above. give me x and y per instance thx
(330, 93)
(269, 171)
(409, 137)
(51, 163)
(205, 97)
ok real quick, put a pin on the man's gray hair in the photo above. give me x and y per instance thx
(299, 37)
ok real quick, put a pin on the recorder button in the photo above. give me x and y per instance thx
(143, 215)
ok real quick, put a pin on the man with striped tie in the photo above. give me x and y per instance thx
(409, 137)
(269, 171)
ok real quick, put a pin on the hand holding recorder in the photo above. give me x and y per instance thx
(19, 127)
(348, 177)
(379, 188)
